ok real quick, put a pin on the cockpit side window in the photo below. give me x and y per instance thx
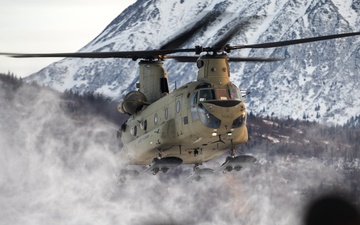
(194, 98)
(193, 102)
(234, 94)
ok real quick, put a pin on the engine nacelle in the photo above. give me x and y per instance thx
(133, 102)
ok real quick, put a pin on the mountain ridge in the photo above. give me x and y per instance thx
(316, 81)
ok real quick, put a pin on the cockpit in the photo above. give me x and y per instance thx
(223, 97)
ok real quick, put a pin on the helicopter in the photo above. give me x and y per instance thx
(196, 122)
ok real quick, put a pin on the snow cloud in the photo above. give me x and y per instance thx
(57, 169)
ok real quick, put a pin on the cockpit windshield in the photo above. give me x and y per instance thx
(221, 94)
(206, 95)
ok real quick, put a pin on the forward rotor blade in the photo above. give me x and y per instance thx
(161, 53)
(231, 59)
(185, 36)
(221, 44)
(253, 59)
(294, 42)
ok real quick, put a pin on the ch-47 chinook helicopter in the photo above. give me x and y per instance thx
(196, 122)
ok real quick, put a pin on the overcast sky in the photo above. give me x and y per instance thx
(50, 26)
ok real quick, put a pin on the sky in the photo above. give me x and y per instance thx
(45, 26)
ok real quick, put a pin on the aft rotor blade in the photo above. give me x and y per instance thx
(296, 41)
(125, 54)
(183, 58)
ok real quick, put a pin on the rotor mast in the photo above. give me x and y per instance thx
(213, 69)
(153, 80)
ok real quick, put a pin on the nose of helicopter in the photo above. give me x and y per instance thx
(228, 112)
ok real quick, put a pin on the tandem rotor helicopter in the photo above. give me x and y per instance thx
(198, 121)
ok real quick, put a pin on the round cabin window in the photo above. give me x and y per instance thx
(178, 106)
(156, 119)
(166, 113)
(143, 125)
(133, 130)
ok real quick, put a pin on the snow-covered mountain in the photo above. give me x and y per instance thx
(316, 81)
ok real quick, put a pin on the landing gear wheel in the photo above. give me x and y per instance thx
(155, 171)
(237, 168)
(164, 170)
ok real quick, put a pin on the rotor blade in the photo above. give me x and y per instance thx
(242, 22)
(294, 42)
(253, 59)
(183, 58)
(231, 59)
(168, 48)
(185, 36)
(220, 44)
(124, 54)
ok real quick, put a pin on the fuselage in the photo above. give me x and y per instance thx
(188, 125)
(197, 122)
